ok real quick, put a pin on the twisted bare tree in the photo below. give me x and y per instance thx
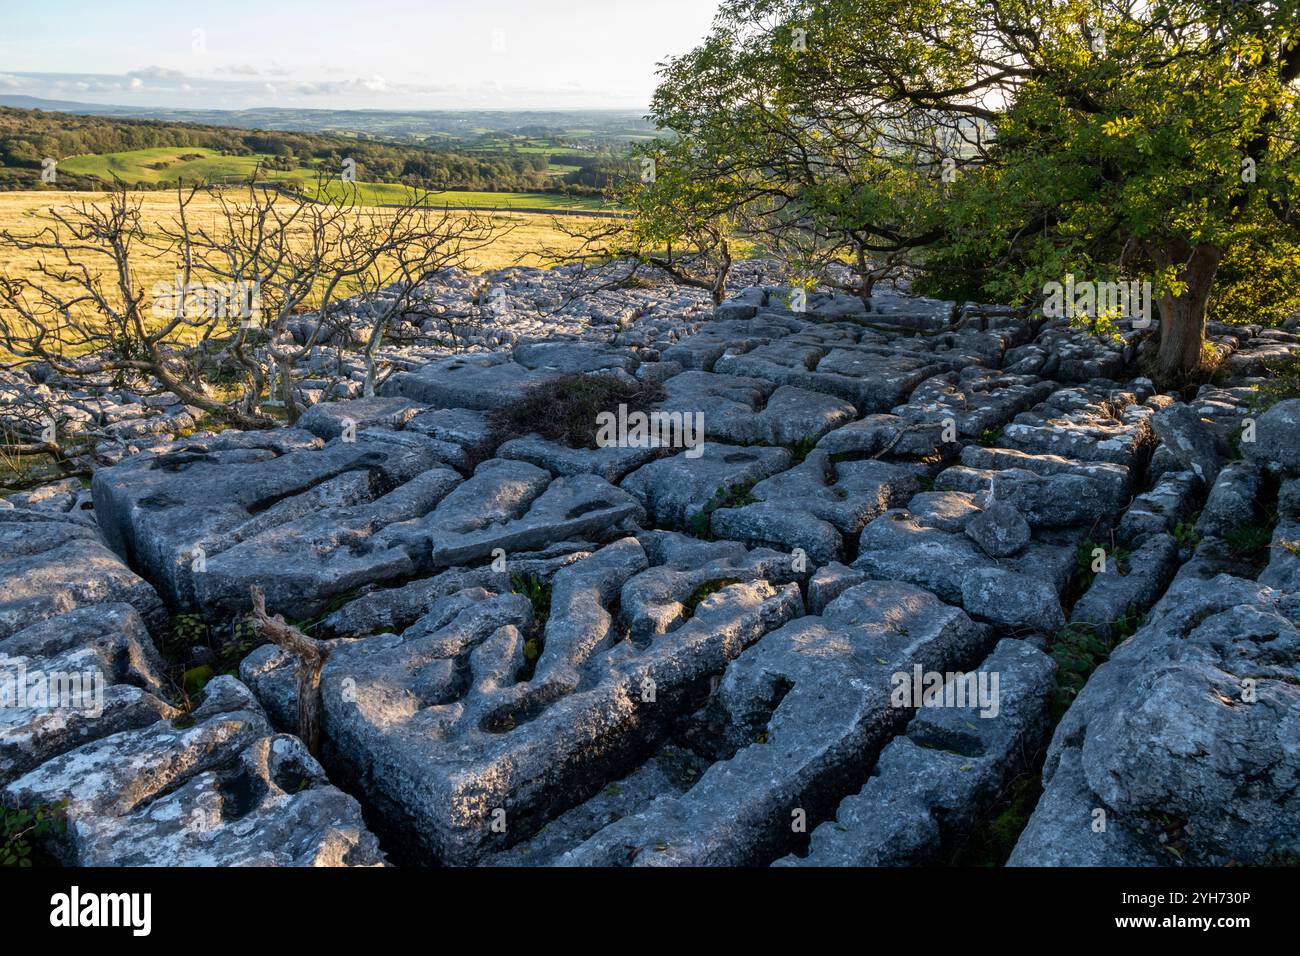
(244, 262)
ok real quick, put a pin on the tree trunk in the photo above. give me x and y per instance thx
(719, 291)
(309, 655)
(372, 346)
(192, 396)
(1182, 317)
(291, 409)
(866, 279)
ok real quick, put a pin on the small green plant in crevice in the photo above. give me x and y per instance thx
(538, 593)
(24, 834)
(243, 638)
(1235, 451)
(1185, 534)
(311, 624)
(1084, 575)
(926, 482)
(736, 496)
(189, 629)
(705, 590)
(225, 646)
(991, 841)
(989, 438)
(1116, 558)
(1078, 649)
(1128, 625)
(1173, 839)
(1251, 542)
(800, 449)
(1086, 559)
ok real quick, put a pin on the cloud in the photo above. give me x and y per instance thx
(156, 73)
(372, 84)
(248, 69)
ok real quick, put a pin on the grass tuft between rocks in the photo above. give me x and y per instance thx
(991, 841)
(735, 496)
(707, 589)
(1080, 649)
(1252, 543)
(566, 409)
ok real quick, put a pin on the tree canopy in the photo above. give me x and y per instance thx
(1001, 145)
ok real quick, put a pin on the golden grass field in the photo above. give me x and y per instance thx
(529, 234)
(524, 238)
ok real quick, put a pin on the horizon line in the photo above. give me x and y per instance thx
(641, 111)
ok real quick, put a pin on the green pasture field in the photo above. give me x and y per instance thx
(169, 163)
(195, 164)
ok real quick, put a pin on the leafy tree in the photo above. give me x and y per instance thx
(1003, 145)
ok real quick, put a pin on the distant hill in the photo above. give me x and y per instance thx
(590, 128)
(95, 148)
(66, 106)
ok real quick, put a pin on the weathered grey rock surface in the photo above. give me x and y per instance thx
(656, 655)
(87, 724)
(1183, 740)
(225, 791)
(933, 783)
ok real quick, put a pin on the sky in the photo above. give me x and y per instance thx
(346, 54)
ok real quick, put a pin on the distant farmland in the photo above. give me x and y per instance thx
(169, 163)
(164, 164)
